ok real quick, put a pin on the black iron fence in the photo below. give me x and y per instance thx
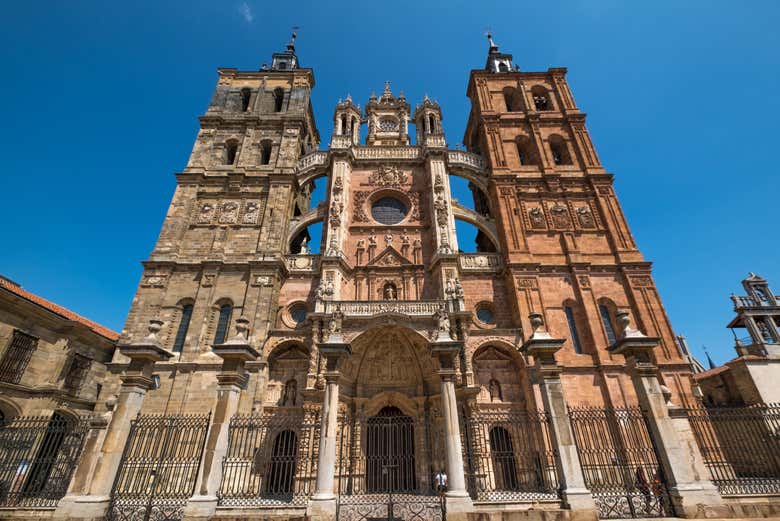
(37, 458)
(509, 456)
(159, 468)
(619, 462)
(740, 446)
(271, 459)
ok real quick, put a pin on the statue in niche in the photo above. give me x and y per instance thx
(388, 239)
(449, 289)
(372, 241)
(304, 246)
(290, 392)
(390, 292)
(494, 388)
(405, 240)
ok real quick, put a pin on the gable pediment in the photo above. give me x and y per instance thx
(389, 258)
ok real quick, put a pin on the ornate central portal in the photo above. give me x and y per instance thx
(390, 452)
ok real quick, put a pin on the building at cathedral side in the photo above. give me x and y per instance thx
(384, 373)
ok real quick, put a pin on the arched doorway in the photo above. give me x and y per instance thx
(503, 454)
(390, 452)
(281, 471)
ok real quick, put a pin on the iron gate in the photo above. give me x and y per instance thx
(619, 462)
(159, 468)
(271, 459)
(37, 458)
(386, 468)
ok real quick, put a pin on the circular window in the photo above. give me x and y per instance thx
(388, 210)
(298, 314)
(485, 314)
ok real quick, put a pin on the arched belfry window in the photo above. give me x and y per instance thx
(559, 150)
(265, 153)
(231, 150)
(575, 335)
(432, 123)
(541, 98)
(606, 319)
(246, 93)
(278, 99)
(184, 325)
(223, 323)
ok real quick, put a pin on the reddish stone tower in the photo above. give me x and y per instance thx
(569, 252)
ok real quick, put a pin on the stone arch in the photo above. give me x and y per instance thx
(376, 403)
(9, 409)
(496, 360)
(288, 362)
(299, 224)
(389, 358)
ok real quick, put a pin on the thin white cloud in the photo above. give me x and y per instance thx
(246, 12)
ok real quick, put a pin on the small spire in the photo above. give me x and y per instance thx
(387, 89)
(709, 359)
(349, 97)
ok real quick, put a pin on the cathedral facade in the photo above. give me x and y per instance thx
(391, 375)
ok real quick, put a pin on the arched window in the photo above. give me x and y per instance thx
(503, 455)
(525, 151)
(184, 325)
(231, 149)
(281, 470)
(246, 93)
(265, 153)
(503, 67)
(541, 98)
(560, 152)
(344, 127)
(607, 321)
(575, 337)
(223, 322)
(432, 123)
(278, 99)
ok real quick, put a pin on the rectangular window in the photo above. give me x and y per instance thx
(77, 373)
(16, 357)
(575, 338)
(607, 324)
(184, 325)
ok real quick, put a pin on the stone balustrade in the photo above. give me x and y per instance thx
(366, 308)
(314, 159)
(386, 152)
(466, 159)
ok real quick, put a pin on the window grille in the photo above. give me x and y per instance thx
(16, 357)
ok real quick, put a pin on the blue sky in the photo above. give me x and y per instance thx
(101, 102)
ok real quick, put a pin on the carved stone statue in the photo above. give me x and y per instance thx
(494, 388)
(304, 246)
(449, 289)
(334, 327)
(405, 240)
(361, 244)
(458, 288)
(372, 241)
(290, 392)
(390, 293)
(388, 239)
(442, 320)
(417, 244)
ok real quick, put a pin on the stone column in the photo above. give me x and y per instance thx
(323, 502)
(231, 379)
(691, 492)
(446, 350)
(135, 382)
(575, 494)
